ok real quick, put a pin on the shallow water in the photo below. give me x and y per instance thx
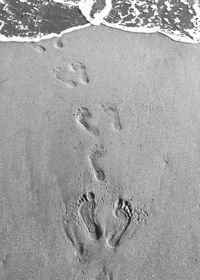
(33, 20)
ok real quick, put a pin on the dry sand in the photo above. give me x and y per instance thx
(100, 158)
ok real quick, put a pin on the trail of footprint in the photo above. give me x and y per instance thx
(122, 214)
(113, 109)
(86, 212)
(97, 152)
(82, 115)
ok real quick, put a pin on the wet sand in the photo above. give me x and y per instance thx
(100, 157)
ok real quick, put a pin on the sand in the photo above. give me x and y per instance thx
(100, 161)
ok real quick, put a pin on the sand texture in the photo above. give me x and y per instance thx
(100, 158)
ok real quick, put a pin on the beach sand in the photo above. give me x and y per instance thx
(100, 158)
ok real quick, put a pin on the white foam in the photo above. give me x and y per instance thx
(173, 35)
(85, 6)
(69, 3)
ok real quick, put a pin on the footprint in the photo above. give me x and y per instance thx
(72, 236)
(39, 48)
(86, 212)
(113, 109)
(82, 115)
(77, 67)
(97, 152)
(58, 44)
(122, 214)
(80, 68)
(62, 75)
(104, 275)
(73, 73)
(84, 79)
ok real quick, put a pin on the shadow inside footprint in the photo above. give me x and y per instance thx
(86, 212)
(97, 152)
(82, 115)
(61, 74)
(116, 123)
(122, 216)
(71, 233)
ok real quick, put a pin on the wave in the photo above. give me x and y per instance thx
(33, 20)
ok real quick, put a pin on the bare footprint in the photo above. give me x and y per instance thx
(82, 115)
(72, 236)
(104, 275)
(113, 109)
(84, 79)
(39, 48)
(122, 214)
(62, 75)
(97, 152)
(77, 67)
(58, 44)
(86, 212)
(80, 68)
